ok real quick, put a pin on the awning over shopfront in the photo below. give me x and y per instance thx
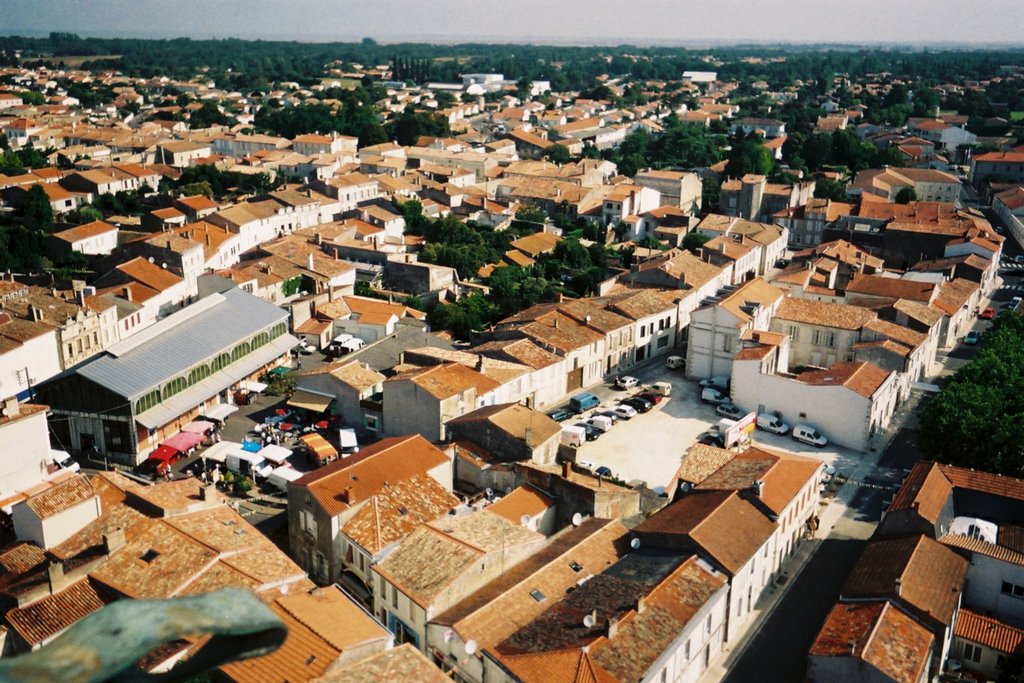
(323, 450)
(310, 400)
(220, 411)
(183, 441)
(198, 427)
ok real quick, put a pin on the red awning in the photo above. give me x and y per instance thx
(164, 453)
(184, 441)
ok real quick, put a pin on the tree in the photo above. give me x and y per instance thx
(558, 154)
(87, 214)
(37, 210)
(977, 420)
(826, 188)
(694, 240)
(530, 214)
(749, 156)
(905, 196)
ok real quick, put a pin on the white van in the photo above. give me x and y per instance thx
(248, 464)
(809, 435)
(348, 442)
(663, 388)
(675, 362)
(280, 477)
(771, 423)
(600, 423)
(62, 460)
(573, 435)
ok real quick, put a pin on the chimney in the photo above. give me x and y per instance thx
(208, 243)
(349, 495)
(758, 488)
(208, 493)
(11, 407)
(566, 469)
(641, 605)
(113, 540)
(613, 628)
(55, 574)
(309, 261)
(126, 292)
(319, 239)
(168, 244)
(899, 586)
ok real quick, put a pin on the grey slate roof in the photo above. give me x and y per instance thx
(168, 348)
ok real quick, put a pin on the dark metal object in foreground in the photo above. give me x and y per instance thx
(106, 644)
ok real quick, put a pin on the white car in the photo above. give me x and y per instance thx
(809, 435)
(624, 411)
(626, 382)
(304, 348)
(713, 396)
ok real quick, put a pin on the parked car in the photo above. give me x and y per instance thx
(771, 423)
(972, 337)
(641, 405)
(663, 388)
(651, 396)
(809, 435)
(720, 382)
(304, 347)
(713, 437)
(603, 471)
(988, 313)
(729, 410)
(560, 414)
(782, 263)
(675, 362)
(624, 411)
(584, 401)
(713, 396)
(600, 423)
(626, 382)
(592, 433)
(610, 414)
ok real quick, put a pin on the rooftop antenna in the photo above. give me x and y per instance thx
(635, 544)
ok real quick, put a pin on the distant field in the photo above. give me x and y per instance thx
(76, 60)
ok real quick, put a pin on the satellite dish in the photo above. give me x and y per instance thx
(470, 647)
(489, 492)
(525, 520)
(589, 621)
(635, 544)
(151, 259)
(577, 519)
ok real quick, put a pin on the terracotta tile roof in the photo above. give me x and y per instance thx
(347, 481)
(860, 377)
(436, 555)
(536, 244)
(985, 482)
(719, 523)
(447, 380)
(977, 545)
(402, 663)
(644, 635)
(85, 231)
(572, 664)
(62, 497)
(503, 606)
(919, 312)
(302, 656)
(984, 630)
(954, 294)
(925, 488)
(881, 635)
(784, 475)
(149, 274)
(524, 500)
(515, 420)
(898, 333)
(21, 558)
(891, 287)
(825, 314)
(701, 461)
(47, 617)
(917, 571)
(396, 510)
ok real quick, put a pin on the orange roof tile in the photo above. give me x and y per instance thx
(984, 630)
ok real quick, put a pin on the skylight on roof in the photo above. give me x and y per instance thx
(537, 595)
(576, 566)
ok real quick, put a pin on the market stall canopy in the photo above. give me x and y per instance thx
(218, 452)
(184, 441)
(220, 411)
(164, 453)
(310, 400)
(274, 453)
(324, 451)
(198, 427)
(253, 386)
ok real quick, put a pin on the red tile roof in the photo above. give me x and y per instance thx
(984, 630)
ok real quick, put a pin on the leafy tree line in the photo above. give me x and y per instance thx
(977, 420)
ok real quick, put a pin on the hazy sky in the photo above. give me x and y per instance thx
(601, 21)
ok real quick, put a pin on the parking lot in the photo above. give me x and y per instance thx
(650, 446)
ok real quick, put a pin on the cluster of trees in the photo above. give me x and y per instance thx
(355, 116)
(977, 420)
(208, 180)
(19, 161)
(681, 145)
(839, 148)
